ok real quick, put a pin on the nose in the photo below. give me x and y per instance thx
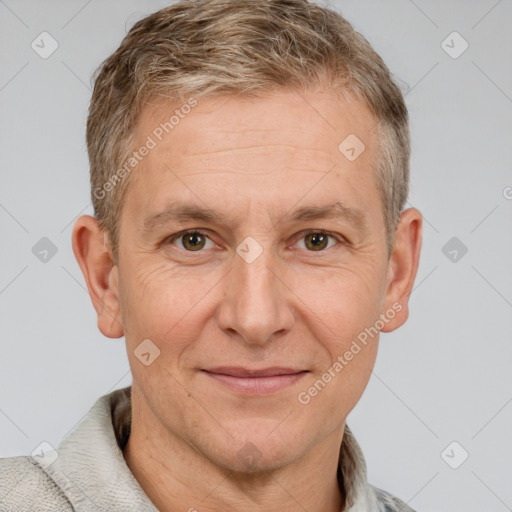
(256, 305)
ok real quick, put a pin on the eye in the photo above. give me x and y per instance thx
(317, 240)
(196, 240)
(192, 241)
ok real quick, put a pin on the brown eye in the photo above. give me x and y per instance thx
(193, 241)
(316, 241)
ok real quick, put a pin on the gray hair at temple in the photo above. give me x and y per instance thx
(246, 48)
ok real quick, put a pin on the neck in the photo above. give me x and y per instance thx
(176, 476)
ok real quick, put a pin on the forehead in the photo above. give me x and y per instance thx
(319, 120)
(266, 148)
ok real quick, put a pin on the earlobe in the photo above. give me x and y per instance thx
(101, 274)
(402, 267)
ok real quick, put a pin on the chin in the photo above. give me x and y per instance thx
(260, 449)
(249, 459)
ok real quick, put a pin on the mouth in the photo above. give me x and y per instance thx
(249, 381)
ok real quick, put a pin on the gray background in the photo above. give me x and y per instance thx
(445, 376)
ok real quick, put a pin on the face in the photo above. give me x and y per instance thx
(252, 254)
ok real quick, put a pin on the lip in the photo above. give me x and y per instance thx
(248, 381)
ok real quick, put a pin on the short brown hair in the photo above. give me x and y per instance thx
(242, 47)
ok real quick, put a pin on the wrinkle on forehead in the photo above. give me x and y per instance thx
(252, 160)
(234, 118)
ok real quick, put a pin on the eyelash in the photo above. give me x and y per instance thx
(341, 240)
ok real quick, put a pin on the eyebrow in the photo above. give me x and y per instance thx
(179, 212)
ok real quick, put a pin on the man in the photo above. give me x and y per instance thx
(249, 169)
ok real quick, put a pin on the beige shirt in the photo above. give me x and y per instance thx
(88, 471)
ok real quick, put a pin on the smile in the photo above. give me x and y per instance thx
(255, 382)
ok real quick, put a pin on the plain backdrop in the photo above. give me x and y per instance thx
(444, 377)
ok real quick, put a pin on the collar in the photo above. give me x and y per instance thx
(91, 470)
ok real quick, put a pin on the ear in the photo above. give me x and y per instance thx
(100, 273)
(402, 267)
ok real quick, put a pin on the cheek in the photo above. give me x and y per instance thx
(334, 390)
(341, 309)
(167, 305)
(341, 301)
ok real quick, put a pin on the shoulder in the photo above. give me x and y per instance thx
(25, 486)
(389, 503)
